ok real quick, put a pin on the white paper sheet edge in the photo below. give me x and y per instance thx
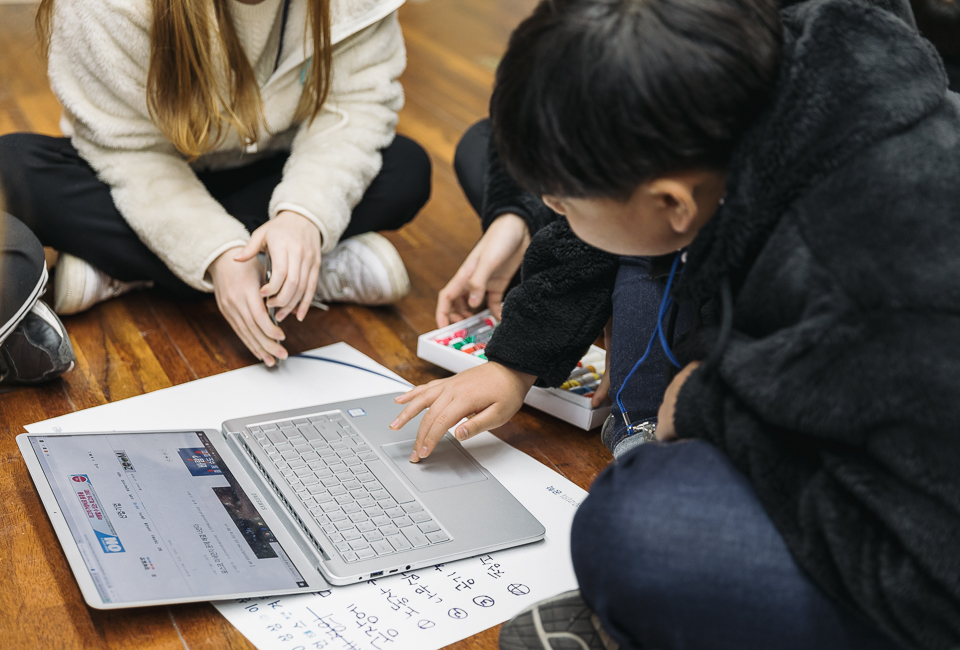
(206, 403)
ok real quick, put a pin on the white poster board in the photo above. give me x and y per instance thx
(418, 610)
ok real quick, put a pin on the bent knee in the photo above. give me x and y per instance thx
(471, 152)
(415, 177)
(642, 529)
(26, 158)
(16, 149)
(21, 149)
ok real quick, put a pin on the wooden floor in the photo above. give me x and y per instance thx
(140, 343)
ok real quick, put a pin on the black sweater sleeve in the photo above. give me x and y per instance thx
(502, 195)
(560, 308)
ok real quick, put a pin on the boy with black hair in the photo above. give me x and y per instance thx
(804, 492)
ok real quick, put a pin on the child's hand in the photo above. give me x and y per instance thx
(487, 271)
(489, 395)
(294, 245)
(665, 428)
(237, 288)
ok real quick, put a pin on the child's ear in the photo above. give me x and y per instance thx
(674, 198)
(554, 204)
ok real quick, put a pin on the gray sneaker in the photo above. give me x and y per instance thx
(366, 270)
(564, 622)
(38, 350)
(621, 439)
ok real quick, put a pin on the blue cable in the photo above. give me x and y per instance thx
(350, 365)
(665, 304)
(664, 310)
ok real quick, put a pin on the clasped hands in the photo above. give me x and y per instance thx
(293, 242)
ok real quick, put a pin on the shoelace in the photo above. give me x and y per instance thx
(336, 272)
(116, 287)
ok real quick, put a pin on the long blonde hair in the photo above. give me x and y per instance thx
(183, 96)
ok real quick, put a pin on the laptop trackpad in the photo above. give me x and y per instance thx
(448, 466)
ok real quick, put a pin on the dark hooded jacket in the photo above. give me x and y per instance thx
(832, 378)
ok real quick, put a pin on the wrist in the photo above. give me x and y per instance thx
(522, 378)
(511, 222)
(225, 258)
(508, 232)
(289, 216)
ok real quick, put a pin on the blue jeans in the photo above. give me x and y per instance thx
(673, 551)
(636, 302)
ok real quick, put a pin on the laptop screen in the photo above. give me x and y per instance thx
(159, 516)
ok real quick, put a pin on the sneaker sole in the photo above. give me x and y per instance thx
(58, 362)
(528, 629)
(393, 263)
(27, 306)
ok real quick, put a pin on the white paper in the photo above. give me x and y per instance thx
(434, 607)
(417, 610)
(207, 403)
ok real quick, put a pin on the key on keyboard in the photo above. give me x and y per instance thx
(359, 503)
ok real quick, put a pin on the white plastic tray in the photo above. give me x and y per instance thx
(567, 406)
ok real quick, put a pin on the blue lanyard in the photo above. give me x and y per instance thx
(665, 305)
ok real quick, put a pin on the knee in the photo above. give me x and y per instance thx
(16, 149)
(607, 520)
(18, 159)
(415, 185)
(22, 254)
(610, 546)
(471, 153)
(23, 157)
(10, 143)
(470, 162)
(614, 527)
(19, 150)
(635, 539)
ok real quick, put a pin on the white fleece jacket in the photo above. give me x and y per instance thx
(99, 55)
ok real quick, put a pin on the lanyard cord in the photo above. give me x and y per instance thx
(665, 304)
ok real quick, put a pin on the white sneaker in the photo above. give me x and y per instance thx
(77, 286)
(366, 270)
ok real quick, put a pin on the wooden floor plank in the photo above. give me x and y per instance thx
(144, 342)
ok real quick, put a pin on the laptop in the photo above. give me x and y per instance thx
(282, 503)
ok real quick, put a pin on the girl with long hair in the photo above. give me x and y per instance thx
(208, 136)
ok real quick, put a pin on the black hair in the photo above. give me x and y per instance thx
(939, 21)
(595, 97)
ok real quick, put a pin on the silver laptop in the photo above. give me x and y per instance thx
(287, 502)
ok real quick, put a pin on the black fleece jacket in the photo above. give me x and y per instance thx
(543, 336)
(551, 260)
(836, 388)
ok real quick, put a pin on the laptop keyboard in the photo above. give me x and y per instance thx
(361, 506)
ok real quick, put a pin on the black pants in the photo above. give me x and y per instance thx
(470, 162)
(58, 195)
(21, 268)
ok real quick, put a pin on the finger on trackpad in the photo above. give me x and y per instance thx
(447, 466)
